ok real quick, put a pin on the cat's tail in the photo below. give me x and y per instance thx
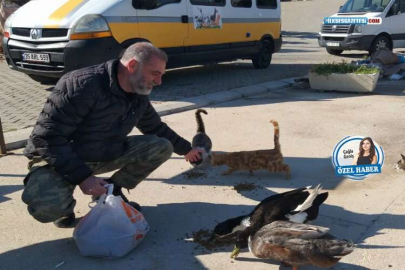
(200, 123)
(276, 135)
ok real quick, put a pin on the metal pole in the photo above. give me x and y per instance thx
(2, 143)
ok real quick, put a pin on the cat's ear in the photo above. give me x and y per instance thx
(403, 157)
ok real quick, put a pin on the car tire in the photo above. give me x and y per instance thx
(334, 51)
(263, 57)
(380, 42)
(44, 80)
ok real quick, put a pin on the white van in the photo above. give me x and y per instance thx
(389, 34)
(48, 38)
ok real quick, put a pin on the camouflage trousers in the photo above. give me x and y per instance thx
(49, 196)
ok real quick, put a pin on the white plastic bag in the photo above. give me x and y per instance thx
(111, 229)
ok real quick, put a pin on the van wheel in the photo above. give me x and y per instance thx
(263, 57)
(44, 80)
(381, 42)
(334, 52)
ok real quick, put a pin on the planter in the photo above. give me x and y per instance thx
(349, 82)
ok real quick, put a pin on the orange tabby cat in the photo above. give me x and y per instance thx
(271, 160)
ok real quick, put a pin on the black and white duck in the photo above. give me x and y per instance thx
(299, 205)
(298, 244)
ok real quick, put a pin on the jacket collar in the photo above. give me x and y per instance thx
(112, 69)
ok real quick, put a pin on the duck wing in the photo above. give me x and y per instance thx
(325, 251)
(276, 207)
(299, 244)
(280, 208)
(279, 196)
(272, 241)
(299, 206)
(290, 230)
(309, 209)
(269, 205)
(313, 211)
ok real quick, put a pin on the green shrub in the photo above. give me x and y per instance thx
(343, 67)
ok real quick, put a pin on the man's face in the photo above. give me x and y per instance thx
(146, 76)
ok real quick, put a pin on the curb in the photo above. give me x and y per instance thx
(18, 139)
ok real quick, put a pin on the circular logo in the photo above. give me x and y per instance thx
(356, 157)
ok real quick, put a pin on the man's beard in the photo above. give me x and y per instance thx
(138, 84)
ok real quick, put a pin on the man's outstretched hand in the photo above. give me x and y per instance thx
(93, 186)
(194, 155)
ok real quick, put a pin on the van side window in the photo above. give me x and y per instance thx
(164, 2)
(241, 3)
(266, 3)
(219, 3)
(159, 3)
(378, 5)
(402, 6)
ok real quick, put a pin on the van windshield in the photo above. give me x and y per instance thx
(362, 6)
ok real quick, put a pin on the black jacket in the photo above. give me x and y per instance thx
(87, 119)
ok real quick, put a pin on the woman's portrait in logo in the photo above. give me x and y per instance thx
(366, 154)
(357, 157)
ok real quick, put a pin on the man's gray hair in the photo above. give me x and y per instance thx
(143, 52)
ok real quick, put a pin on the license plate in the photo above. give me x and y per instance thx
(333, 44)
(36, 57)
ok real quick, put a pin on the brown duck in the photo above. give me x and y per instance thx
(298, 244)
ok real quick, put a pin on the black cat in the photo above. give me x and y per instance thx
(201, 139)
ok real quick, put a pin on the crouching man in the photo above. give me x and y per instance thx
(82, 131)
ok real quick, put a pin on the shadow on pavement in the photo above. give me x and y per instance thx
(301, 176)
(166, 246)
(348, 54)
(12, 175)
(340, 265)
(294, 42)
(308, 35)
(296, 51)
(8, 189)
(49, 254)
(290, 95)
(187, 82)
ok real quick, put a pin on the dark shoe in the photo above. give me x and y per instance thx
(118, 192)
(66, 221)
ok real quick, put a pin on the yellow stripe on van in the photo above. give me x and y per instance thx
(166, 35)
(232, 32)
(56, 18)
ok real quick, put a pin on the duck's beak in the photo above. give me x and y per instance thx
(235, 252)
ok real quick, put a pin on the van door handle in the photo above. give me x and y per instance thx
(184, 19)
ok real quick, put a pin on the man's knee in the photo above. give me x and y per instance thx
(166, 149)
(159, 151)
(48, 195)
(50, 211)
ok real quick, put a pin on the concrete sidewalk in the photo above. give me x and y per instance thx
(177, 202)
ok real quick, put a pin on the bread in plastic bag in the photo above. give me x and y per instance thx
(111, 229)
